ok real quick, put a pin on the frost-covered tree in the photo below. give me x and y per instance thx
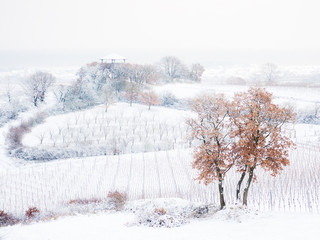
(172, 68)
(247, 134)
(77, 96)
(270, 72)
(257, 125)
(109, 98)
(141, 74)
(9, 93)
(211, 130)
(168, 99)
(196, 72)
(93, 77)
(149, 98)
(132, 92)
(36, 86)
(60, 93)
(118, 77)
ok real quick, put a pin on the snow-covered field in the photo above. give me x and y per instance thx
(276, 226)
(125, 129)
(154, 161)
(154, 175)
(298, 97)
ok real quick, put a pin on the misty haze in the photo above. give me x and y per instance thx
(122, 119)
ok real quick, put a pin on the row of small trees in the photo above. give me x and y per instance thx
(245, 133)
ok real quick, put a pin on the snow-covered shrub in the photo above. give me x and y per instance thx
(236, 213)
(159, 219)
(168, 100)
(310, 116)
(7, 219)
(10, 111)
(160, 211)
(51, 153)
(200, 211)
(84, 201)
(14, 137)
(32, 213)
(168, 213)
(85, 206)
(117, 200)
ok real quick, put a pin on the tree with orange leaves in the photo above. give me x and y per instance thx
(132, 92)
(149, 98)
(211, 131)
(257, 126)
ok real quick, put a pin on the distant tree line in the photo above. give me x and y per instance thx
(109, 82)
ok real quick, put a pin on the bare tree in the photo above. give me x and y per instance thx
(9, 93)
(36, 86)
(196, 72)
(270, 72)
(132, 93)
(172, 67)
(108, 99)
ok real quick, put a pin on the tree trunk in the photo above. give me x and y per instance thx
(245, 191)
(35, 101)
(240, 182)
(221, 195)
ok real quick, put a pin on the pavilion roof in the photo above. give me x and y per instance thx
(113, 56)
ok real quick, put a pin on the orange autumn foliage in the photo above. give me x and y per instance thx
(149, 98)
(257, 125)
(211, 130)
(245, 133)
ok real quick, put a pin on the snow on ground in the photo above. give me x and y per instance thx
(298, 97)
(290, 201)
(150, 174)
(275, 226)
(133, 128)
(64, 75)
(254, 71)
(153, 175)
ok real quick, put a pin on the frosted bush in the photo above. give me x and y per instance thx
(10, 111)
(167, 213)
(157, 220)
(236, 213)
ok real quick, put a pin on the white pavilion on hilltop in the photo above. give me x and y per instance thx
(113, 58)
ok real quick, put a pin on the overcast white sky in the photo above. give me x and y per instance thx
(279, 25)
